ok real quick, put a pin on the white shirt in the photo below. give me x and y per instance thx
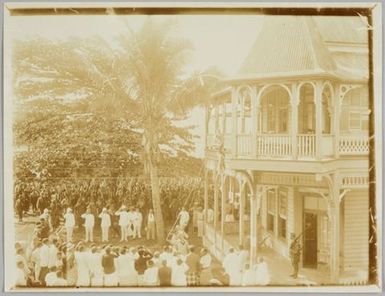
(52, 255)
(90, 220)
(44, 255)
(60, 282)
(21, 279)
(106, 219)
(150, 276)
(94, 261)
(124, 218)
(151, 217)
(178, 275)
(50, 278)
(69, 220)
(205, 261)
(138, 218)
(131, 217)
(231, 263)
(184, 217)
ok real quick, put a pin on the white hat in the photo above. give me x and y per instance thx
(69, 210)
(104, 209)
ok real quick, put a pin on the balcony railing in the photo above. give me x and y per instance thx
(354, 144)
(306, 145)
(245, 145)
(277, 145)
(281, 145)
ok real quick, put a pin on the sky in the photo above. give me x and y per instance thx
(218, 40)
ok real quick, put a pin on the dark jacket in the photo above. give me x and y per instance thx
(164, 274)
(192, 261)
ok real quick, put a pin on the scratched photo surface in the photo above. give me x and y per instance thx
(155, 148)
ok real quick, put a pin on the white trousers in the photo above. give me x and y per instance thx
(137, 230)
(105, 233)
(89, 233)
(123, 232)
(70, 231)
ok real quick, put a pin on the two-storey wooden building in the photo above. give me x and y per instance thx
(287, 147)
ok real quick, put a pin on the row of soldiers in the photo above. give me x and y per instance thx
(79, 194)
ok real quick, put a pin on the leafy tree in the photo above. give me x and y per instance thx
(85, 91)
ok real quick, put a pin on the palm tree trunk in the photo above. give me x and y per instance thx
(155, 196)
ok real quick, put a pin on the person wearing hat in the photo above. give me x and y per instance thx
(123, 222)
(69, 223)
(105, 224)
(89, 225)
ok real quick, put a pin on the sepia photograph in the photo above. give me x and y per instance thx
(195, 147)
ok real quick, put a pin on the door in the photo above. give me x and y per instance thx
(310, 240)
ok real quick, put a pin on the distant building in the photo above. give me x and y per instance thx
(287, 147)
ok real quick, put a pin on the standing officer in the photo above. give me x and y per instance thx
(295, 253)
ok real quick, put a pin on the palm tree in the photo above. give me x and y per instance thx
(154, 59)
(141, 84)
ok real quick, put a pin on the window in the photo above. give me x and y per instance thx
(271, 210)
(355, 120)
(271, 119)
(355, 111)
(282, 217)
(325, 117)
(283, 116)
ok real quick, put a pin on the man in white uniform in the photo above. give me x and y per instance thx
(105, 224)
(131, 222)
(184, 217)
(138, 218)
(69, 224)
(89, 225)
(123, 222)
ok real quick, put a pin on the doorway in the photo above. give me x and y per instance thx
(310, 240)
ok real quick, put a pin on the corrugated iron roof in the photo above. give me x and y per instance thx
(342, 29)
(295, 44)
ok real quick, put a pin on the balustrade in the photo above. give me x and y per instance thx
(274, 145)
(244, 145)
(306, 145)
(354, 144)
(280, 145)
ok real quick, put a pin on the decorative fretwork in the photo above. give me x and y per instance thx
(354, 144)
(289, 180)
(345, 88)
(355, 181)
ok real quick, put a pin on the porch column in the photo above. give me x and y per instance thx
(206, 202)
(216, 114)
(207, 120)
(253, 230)
(336, 124)
(223, 109)
(223, 201)
(334, 215)
(234, 140)
(254, 121)
(215, 210)
(241, 214)
(335, 242)
(294, 119)
(318, 119)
